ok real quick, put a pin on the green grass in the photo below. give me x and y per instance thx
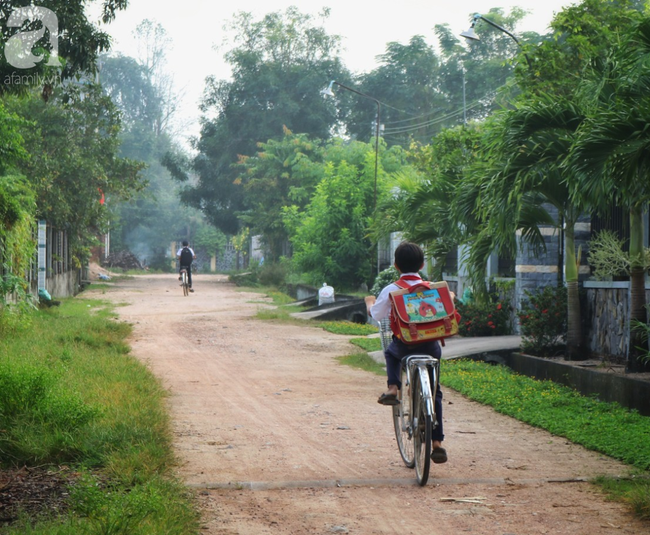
(71, 394)
(348, 328)
(363, 361)
(607, 428)
(604, 427)
(633, 491)
(367, 344)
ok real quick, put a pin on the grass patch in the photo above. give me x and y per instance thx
(71, 394)
(348, 328)
(607, 428)
(633, 491)
(604, 427)
(367, 344)
(363, 361)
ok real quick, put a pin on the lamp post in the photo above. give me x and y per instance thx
(329, 93)
(471, 34)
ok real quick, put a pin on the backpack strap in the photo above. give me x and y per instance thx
(401, 282)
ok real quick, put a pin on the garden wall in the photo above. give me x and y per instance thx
(605, 311)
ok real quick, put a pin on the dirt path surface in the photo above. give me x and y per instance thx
(278, 437)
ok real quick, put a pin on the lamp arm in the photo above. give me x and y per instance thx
(495, 25)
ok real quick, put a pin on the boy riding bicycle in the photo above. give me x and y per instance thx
(186, 256)
(409, 260)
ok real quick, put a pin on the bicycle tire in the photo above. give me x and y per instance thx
(186, 290)
(422, 430)
(402, 423)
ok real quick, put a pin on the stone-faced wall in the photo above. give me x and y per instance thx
(606, 310)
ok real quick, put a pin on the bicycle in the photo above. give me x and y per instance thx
(185, 282)
(414, 416)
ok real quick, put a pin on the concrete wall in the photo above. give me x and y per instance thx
(605, 307)
(64, 285)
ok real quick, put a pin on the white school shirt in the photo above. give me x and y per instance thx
(381, 309)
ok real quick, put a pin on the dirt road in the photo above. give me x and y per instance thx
(279, 438)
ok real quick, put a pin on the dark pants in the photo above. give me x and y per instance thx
(189, 274)
(395, 353)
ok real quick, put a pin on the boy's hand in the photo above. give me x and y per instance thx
(370, 300)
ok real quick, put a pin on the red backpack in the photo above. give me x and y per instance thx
(423, 312)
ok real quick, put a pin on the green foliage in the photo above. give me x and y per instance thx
(633, 491)
(280, 174)
(73, 142)
(604, 427)
(210, 239)
(608, 258)
(272, 274)
(641, 330)
(491, 318)
(387, 276)
(279, 64)
(363, 361)
(348, 328)
(329, 238)
(71, 394)
(79, 43)
(367, 344)
(17, 221)
(383, 279)
(543, 321)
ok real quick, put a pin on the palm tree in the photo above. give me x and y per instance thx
(530, 144)
(612, 154)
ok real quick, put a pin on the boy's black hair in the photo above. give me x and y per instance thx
(185, 243)
(409, 257)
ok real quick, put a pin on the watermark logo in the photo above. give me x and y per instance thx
(19, 47)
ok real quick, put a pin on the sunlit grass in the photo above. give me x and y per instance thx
(71, 394)
(367, 344)
(363, 361)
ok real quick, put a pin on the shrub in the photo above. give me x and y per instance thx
(484, 319)
(385, 277)
(272, 274)
(543, 321)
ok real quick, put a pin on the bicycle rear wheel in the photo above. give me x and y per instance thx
(185, 285)
(402, 423)
(422, 427)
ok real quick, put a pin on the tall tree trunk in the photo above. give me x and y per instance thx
(637, 291)
(574, 331)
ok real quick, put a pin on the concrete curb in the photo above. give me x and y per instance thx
(464, 347)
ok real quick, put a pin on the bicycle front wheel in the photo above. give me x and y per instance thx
(422, 428)
(402, 423)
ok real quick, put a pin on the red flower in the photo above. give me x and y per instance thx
(499, 306)
(493, 326)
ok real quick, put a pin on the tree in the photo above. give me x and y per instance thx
(66, 42)
(73, 145)
(534, 141)
(330, 237)
(407, 80)
(279, 65)
(282, 173)
(425, 206)
(611, 154)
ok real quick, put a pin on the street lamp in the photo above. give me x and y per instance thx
(329, 93)
(471, 34)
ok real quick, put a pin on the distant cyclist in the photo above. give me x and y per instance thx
(185, 257)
